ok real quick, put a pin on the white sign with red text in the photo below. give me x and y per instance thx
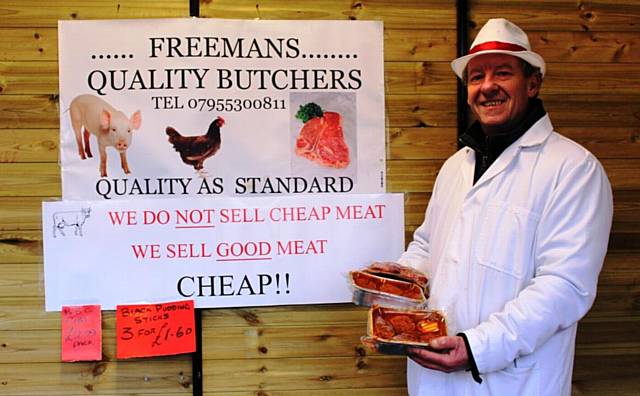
(223, 252)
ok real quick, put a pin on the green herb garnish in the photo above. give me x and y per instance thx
(309, 111)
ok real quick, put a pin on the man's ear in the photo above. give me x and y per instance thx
(533, 85)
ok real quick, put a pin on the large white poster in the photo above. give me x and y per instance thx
(201, 107)
(223, 252)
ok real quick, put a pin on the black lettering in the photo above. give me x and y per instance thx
(264, 280)
(104, 192)
(355, 75)
(174, 46)
(226, 283)
(230, 52)
(224, 80)
(202, 286)
(101, 81)
(336, 78)
(344, 181)
(112, 75)
(241, 188)
(193, 49)
(156, 45)
(277, 48)
(292, 45)
(180, 289)
(210, 47)
(245, 285)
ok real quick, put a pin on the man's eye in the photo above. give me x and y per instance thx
(475, 78)
(503, 73)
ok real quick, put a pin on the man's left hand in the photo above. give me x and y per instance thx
(447, 354)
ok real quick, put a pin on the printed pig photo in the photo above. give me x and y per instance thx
(91, 115)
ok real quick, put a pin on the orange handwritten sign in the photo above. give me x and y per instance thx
(155, 329)
(81, 333)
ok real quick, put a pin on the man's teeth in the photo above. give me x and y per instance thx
(493, 103)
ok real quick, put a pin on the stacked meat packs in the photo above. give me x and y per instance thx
(398, 297)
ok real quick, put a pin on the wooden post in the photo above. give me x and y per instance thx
(462, 40)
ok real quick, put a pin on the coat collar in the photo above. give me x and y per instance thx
(538, 132)
(534, 136)
(492, 146)
(489, 147)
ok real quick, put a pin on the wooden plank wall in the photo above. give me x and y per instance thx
(592, 92)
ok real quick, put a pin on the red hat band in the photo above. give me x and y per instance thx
(496, 45)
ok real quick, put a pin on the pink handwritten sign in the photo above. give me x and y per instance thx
(155, 329)
(81, 333)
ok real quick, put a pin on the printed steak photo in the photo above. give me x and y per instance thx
(321, 138)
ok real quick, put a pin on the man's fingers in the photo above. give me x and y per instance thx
(443, 343)
(427, 356)
(446, 354)
(428, 363)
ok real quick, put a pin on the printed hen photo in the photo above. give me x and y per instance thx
(194, 150)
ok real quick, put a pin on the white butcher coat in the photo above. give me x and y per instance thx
(514, 261)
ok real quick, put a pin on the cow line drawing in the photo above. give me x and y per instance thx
(71, 218)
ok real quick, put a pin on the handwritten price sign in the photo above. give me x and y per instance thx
(81, 333)
(155, 329)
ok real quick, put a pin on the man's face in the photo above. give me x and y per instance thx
(498, 92)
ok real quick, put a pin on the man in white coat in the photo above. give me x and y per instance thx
(514, 235)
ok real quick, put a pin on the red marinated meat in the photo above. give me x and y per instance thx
(402, 324)
(400, 271)
(321, 140)
(383, 328)
(376, 283)
(406, 326)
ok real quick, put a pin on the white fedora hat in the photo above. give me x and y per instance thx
(500, 36)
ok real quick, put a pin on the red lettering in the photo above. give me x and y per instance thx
(195, 216)
(243, 249)
(241, 215)
(300, 247)
(299, 213)
(358, 212)
(141, 251)
(117, 218)
(187, 250)
(160, 217)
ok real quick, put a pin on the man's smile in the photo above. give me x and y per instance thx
(493, 103)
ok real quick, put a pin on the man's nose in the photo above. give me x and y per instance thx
(488, 84)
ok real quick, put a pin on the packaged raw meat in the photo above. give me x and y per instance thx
(397, 271)
(392, 331)
(389, 285)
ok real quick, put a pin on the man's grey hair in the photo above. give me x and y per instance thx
(529, 69)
